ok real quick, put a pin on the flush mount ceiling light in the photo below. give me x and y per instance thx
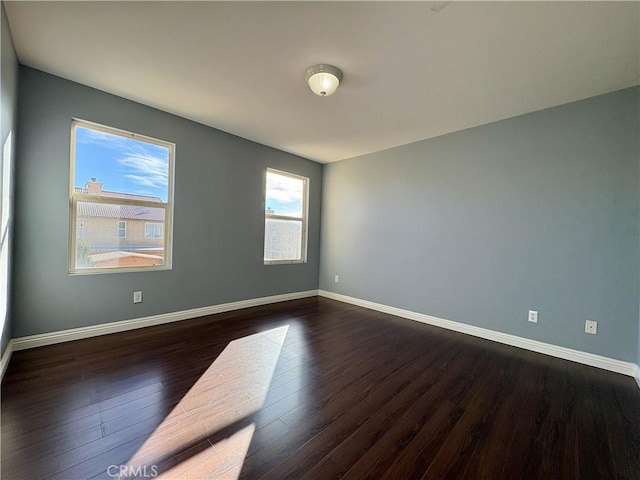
(323, 79)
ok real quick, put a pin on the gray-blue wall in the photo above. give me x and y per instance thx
(535, 212)
(218, 215)
(9, 87)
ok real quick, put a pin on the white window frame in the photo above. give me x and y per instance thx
(304, 219)
(74, 198)
(124, 228)
(154, 224)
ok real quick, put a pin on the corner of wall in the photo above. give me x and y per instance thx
(8, 122)
(6, 357)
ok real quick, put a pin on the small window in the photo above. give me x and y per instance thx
(285, 232)
(153, 230)
(121, 198)
(122, 229)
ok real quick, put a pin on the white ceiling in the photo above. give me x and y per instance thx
(410, 72)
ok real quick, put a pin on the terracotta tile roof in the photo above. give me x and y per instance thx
(128, 196)
(126, 212)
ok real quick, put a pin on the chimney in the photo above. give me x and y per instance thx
(94, 187)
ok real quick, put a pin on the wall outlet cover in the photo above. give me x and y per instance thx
(591, 326)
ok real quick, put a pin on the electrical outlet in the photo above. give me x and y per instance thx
(533, 316)
(137, 297)
(591, 326)
(337, 278)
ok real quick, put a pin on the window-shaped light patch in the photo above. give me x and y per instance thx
(285, 217)
(5, 227)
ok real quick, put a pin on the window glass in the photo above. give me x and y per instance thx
(122, 229)
(285, 217)
(153, 230)
(121, 200)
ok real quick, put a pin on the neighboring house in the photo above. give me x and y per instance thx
(120, 234)
(282, 239)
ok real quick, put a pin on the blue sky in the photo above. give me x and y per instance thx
(128, 165)
(284, 195)
(122, 164)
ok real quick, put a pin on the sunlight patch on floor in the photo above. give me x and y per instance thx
(216, 407)
(224, 460)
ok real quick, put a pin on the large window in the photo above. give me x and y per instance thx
(285, 230)
(121, 183)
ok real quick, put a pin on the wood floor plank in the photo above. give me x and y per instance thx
(416, 458)
(276, 452)
(471, 430)
(383, 408)
(313, 389)
(296, 464)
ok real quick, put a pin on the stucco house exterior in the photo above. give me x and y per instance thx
(119, 235)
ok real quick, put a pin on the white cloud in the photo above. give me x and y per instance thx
(142, 167)
(146, 170)
(284, 194)
(284, 189)
(96, 137)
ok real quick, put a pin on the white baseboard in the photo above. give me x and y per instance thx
(51, 338)
(6, 356)
(605, 363)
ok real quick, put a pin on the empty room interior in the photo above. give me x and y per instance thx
(320, 240)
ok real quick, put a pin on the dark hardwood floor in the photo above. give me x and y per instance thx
(312, 389)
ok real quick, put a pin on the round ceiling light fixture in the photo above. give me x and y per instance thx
(323, 79)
